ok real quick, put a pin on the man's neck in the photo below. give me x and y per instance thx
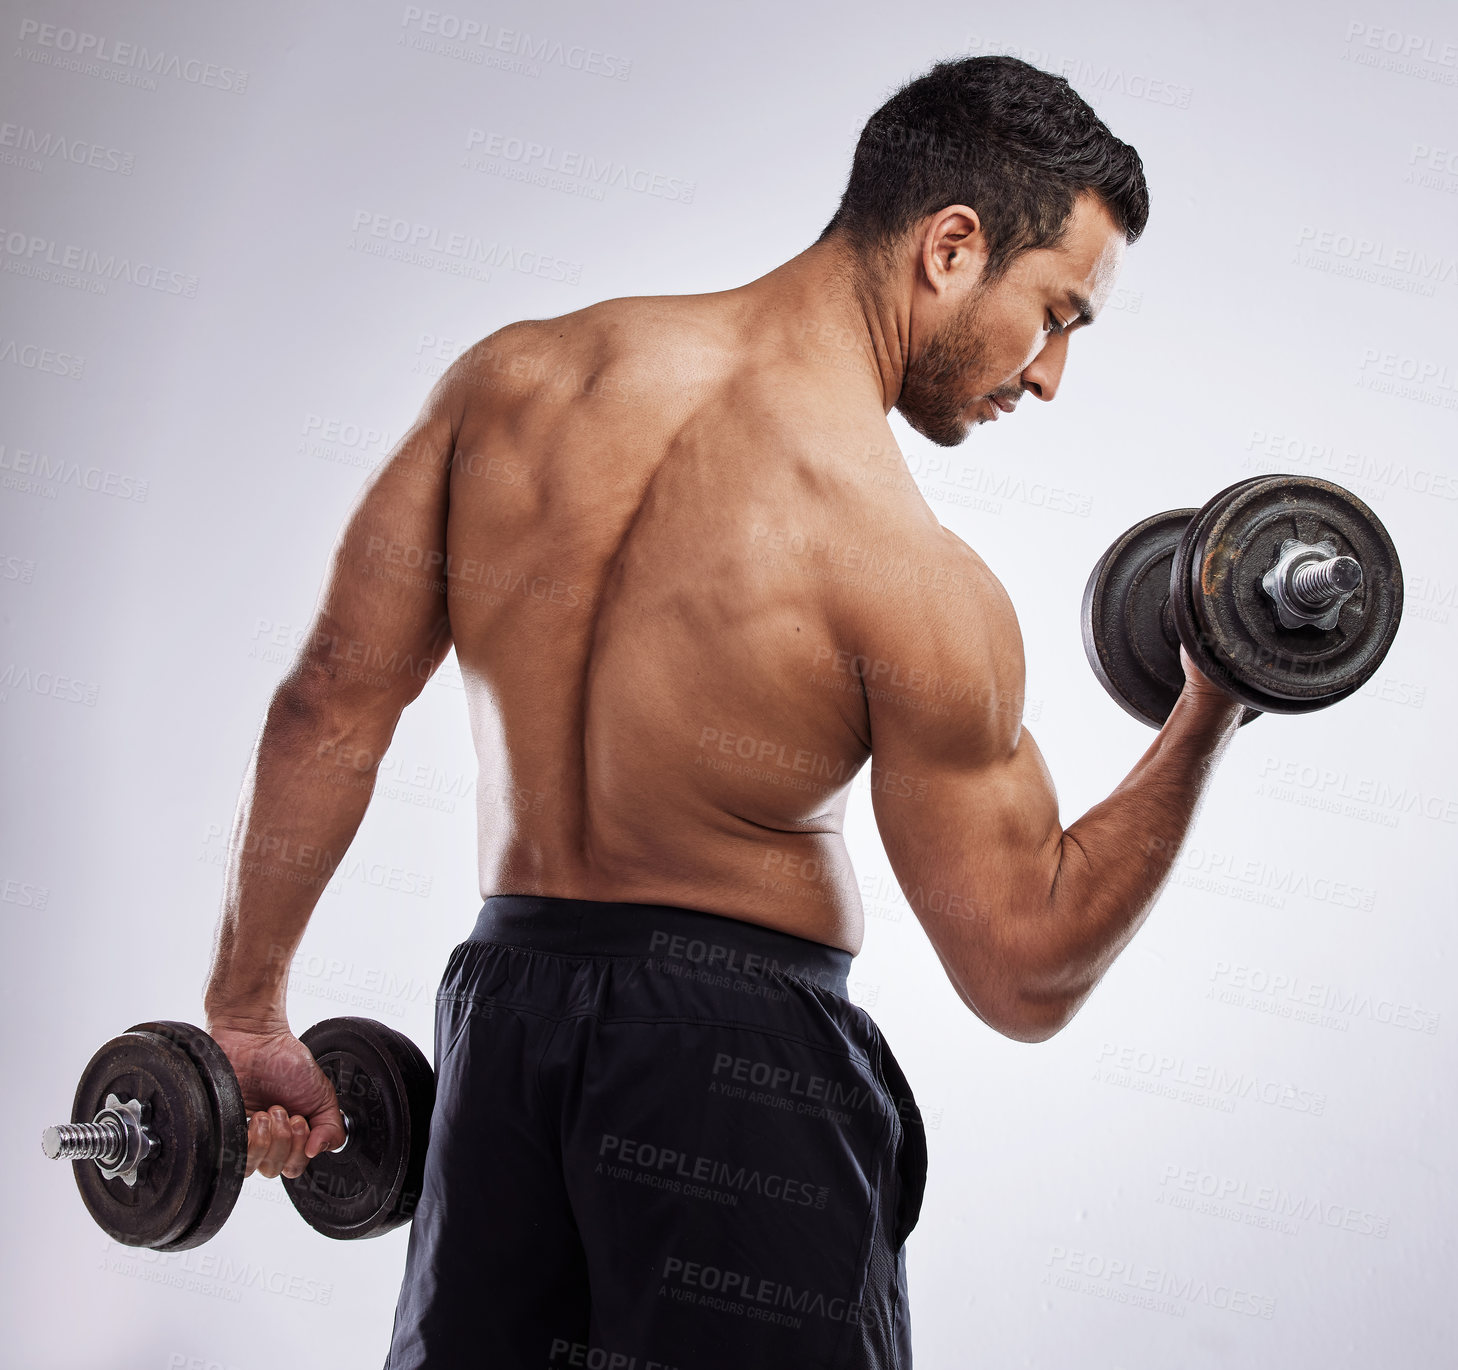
(831, 308)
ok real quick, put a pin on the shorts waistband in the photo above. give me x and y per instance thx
(710, 941)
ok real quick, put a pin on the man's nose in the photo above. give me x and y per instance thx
(1042, 374)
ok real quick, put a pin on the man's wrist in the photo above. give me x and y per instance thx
(215, 1023)
(245, 1014)
(248, 983)
(1208, 708)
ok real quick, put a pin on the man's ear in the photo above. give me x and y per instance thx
(953, 248)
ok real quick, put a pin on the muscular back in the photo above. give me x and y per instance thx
(672, 538)
(692, 587)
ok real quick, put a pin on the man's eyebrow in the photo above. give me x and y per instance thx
(1085, 313)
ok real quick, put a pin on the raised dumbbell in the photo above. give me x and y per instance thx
(159, 1134)
(1285, 590)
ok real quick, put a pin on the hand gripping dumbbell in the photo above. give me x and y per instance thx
(159, 1134)
(1285, 590)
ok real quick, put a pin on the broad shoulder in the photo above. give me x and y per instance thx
(950, 598)
(938, 642)
(980, 579)
(621, 349)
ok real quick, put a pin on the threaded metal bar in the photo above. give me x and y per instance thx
(103, 1141)
(1318, 583)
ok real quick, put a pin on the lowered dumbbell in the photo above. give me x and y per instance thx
(1285, 590)
(159, 1134)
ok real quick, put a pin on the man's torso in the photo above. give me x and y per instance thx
(671, 539)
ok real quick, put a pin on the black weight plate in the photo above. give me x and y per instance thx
(1181, 602)
(385, 1084)
(175, 1182)
(229, 1128)
(1129, 636)
(1227, 550)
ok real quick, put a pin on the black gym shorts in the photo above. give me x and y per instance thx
(662, 1139)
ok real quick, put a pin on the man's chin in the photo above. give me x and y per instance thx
(943, 430)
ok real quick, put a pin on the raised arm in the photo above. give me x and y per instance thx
(378, 633)
(1026, 915)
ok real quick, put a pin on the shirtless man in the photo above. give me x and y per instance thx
(692, 588)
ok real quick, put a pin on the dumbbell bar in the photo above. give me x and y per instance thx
(1285, 590)
(159, 1134)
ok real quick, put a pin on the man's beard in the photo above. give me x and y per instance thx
(932, 389)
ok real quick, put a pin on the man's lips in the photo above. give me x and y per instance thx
(1007, 406)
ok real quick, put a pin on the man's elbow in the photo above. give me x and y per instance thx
(1036, 1020)
(1021, 996)
(313, 691)
(1023, 1017)
(331, 718)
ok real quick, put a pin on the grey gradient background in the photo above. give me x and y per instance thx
(1239, 1152)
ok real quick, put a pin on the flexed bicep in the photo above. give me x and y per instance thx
(972, 835)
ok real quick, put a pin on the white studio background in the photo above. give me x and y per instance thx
(1238, 1153)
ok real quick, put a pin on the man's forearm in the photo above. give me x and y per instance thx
(1114, 860)
(308, 785)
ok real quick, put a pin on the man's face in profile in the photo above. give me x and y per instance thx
(1002, 339)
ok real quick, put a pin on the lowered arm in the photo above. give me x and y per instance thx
(379, 631)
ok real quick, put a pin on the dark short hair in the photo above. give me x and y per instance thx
(1015, 143)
